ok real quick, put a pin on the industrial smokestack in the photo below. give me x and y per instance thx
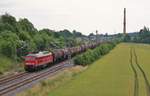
(124, 22)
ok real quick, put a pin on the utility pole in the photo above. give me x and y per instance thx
(69, 59)
(124, 22)
(96, 36)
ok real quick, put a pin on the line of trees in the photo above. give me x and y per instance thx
(17, 38)
(143, 36)
(92, 55)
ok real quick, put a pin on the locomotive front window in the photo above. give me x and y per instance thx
(30, 58)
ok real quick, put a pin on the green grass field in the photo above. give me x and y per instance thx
(112, 75)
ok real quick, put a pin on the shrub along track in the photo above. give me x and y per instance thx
(135, 67)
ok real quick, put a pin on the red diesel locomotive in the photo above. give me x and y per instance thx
(34, 61)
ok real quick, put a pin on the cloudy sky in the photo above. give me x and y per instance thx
(82, 15)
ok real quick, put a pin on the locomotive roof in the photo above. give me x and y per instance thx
(40, 54)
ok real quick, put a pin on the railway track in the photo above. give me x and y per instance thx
(15, 82)
(135, 67)
(12, 78)
(4, 76)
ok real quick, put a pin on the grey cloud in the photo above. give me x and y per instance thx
(83, 15)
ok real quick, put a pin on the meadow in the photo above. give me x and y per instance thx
(111, 75)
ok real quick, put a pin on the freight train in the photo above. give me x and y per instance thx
(35, 61)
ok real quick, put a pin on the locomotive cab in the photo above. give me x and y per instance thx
(30, 62)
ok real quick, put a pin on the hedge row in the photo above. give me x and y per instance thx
(91, 55)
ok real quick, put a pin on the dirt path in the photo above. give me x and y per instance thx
(135, 67)
(136, 81)
(143, 73)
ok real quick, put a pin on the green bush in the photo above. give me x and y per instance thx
(91, 55)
